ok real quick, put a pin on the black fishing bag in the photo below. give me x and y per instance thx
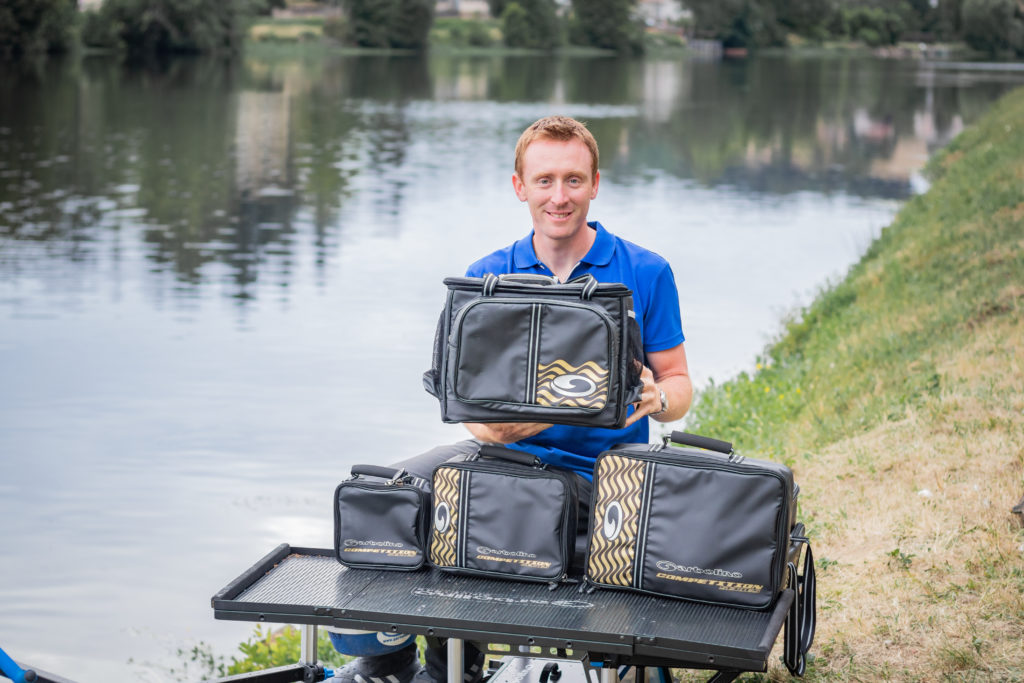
(381, 519)
(525, 348)
(713, 527)
(503, 513)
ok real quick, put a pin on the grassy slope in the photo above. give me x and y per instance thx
(898, 399)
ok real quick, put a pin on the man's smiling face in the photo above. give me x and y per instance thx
(557, 183)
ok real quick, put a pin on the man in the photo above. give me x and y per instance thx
(556, 175)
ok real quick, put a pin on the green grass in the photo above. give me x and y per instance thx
(897, 397)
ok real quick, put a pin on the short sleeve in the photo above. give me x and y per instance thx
(662, 323)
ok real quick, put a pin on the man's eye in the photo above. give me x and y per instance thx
(574, 181)
(544, 181)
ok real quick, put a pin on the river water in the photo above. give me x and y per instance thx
(219, 283)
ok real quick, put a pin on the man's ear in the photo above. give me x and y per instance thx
(519, 186)
(597, 180)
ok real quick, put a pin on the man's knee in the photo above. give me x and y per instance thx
(423, 465)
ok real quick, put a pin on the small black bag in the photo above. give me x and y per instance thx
(710, 527)
(525, 348)
(381, 519)
(503, 513)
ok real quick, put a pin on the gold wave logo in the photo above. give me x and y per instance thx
(446, 517)
(616, 520)
(562, 384)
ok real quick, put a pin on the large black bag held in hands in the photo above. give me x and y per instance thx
(381, 519)
(503, 513)
(525, 348)
(713, 527)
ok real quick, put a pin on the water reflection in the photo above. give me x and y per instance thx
(238, 165)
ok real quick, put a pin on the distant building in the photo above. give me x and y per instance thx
(469, 9)
(662, 13)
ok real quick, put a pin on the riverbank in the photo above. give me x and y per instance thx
(897, 399)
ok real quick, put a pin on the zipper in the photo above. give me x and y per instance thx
(609, 288)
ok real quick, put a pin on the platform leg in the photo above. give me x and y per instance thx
(609, 674)
(307, 644)
(455, 663)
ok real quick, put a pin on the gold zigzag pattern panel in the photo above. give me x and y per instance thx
(620, 480)
(446, 492)
(548, 395)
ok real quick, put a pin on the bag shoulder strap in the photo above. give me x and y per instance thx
(801, 619)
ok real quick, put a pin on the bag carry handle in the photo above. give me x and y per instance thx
(490, 283)
(705, 442)
(522, 457)
(527, 278)
(375, 471)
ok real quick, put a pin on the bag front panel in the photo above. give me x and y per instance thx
(713, 535)
(444, 537)
(491, 351)
(615, 520)
(521, 352)
(575, 358)
(515, 525)
(379, 526)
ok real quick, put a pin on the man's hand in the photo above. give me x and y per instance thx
(650, 398)
(504, 432)
(667, 372)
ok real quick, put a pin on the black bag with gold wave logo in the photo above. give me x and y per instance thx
(381, 519)
(503, 513)
(525, 348)
(712, 527)
(691, 523)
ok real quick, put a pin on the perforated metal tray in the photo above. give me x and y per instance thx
(308, 586)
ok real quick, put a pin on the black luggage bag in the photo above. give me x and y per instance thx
(381, 519)
(713, 527)
(525, 348)
(503, 513)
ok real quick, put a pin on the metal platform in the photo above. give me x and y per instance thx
(605, 628)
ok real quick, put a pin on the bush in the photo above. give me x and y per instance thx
(478, 35)
(335, 28)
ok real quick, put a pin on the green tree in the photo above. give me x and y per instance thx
(993, 26)
(411, 24)
(36, 26)
(805, 17)
(607, 24)
(873, 25)
(738, 23)
(947, 23)
(390, 23)
(497, 7)
(148, 27)
(531, 23)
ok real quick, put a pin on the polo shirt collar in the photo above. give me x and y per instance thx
(600, 253)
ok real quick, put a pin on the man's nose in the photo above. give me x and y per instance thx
(559, 195)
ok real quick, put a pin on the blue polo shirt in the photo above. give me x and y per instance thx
(656, 303)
